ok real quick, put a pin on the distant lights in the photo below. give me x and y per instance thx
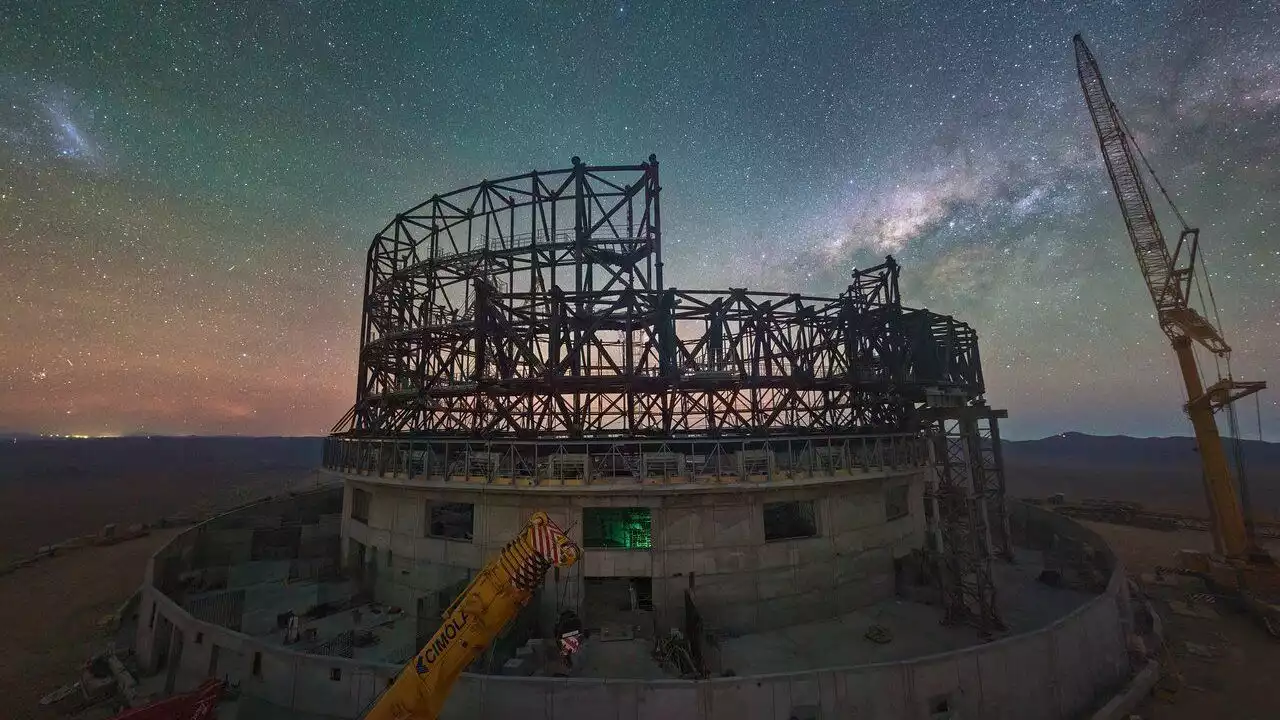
(77, 437)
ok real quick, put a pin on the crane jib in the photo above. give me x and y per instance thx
(432, 652)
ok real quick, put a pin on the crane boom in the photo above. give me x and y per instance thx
(1170, 286)
(1167, 283)
(496, 594)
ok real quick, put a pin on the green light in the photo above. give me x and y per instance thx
(622, 528)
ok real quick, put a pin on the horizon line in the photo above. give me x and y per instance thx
(16, 435)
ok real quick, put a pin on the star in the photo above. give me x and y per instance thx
(189, 194)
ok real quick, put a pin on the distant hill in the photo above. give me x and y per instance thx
(11, 435)
(1079, 449)
(52, 489)
(1160, 473)
(28, 458)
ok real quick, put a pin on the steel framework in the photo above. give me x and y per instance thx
(533, 307)
(518, 331)
(965, 507)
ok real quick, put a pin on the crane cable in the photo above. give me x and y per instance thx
(1213, 302)
(1218, 361)
(1257, 408)
(1242, 479)
(1238, 453)
(1124, 127)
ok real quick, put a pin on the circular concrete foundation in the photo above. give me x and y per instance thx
(787, 618)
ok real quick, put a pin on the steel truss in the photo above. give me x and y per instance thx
(518, 331)
(532, 463)
(533, 307)
(966, 508)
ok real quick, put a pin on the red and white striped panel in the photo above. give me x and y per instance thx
(570, 642)
(544, 542)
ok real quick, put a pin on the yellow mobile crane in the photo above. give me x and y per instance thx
(1240, 564)
(475, 618)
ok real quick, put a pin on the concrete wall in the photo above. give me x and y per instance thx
(712, 541)
(286, 679)
(1055, 673)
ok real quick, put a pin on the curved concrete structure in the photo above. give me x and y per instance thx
(208, 594)
(716, 539)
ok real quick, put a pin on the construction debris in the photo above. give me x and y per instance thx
(1201, 651)
(1168, 579)
(196, 705)
(1186, 609)
(1118, 512)
(108, 536)
(879, 634)
(102, 678)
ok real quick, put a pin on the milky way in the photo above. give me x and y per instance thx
(187, 191)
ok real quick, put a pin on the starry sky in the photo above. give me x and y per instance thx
(187, 189)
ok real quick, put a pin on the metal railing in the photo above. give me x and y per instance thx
(606, 462)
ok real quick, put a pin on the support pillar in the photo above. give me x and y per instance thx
(965, 508)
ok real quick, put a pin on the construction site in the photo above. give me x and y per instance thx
(567, 490)
(786, 506)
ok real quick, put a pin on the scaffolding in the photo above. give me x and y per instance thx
(965, 507)
(518, 332)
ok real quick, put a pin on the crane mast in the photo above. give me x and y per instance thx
(1169, 277)
(478, 615)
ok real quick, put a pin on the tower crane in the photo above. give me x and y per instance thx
(1171, 278)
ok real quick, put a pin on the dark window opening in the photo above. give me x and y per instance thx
(388, 557)
(356, 552)
(335, 674)
(616, 600)
(620, 528)
(360, 500)
(789, 521)
(896, 503)
(257, 664)
(451, 521)
(642, 591)
(151, 623)
(199, 638)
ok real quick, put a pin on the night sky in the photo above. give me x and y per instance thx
(187, 190)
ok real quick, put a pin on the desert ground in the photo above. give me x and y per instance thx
(1220, 667)
(52, 610)
(51, 491)
(61, 600)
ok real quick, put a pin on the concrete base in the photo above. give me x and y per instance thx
(702, 539)
(1132, 695)
(1143, 683)
(1061, 665)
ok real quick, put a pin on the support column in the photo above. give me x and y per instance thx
(993, 485)
(965, 500)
